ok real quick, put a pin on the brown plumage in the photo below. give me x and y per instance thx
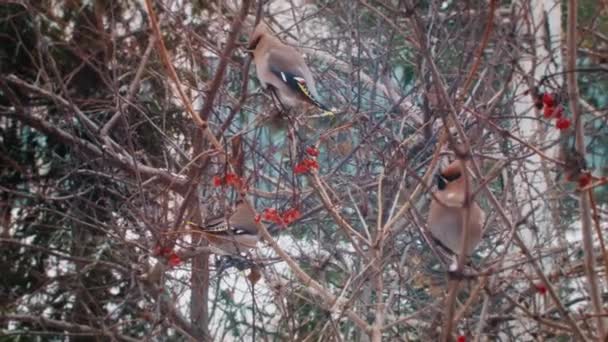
(446, 215)
(236, 234)
(282, 68)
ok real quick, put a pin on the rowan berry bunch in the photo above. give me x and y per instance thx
(229, 179)
(172, 258)
(308, 163)
(283, 219)
(552, 109)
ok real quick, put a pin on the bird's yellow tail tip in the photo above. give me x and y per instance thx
(327, 113)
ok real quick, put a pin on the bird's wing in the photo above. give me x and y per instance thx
(293, 72)
(242, 220)
(215, 225)
(289, 61)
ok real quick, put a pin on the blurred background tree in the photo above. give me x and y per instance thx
(102, 165)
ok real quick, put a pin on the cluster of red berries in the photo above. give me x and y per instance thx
(308, 163)
(552, 110)
(229, 179)
(284, 219)
(172, 258)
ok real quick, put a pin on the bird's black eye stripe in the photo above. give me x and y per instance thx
(444, 179)
(451, 177)
(441, 182)
(254, 43)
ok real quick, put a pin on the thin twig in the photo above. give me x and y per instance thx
(584, 204)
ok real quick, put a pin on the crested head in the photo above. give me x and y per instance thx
(240, 207)
(452, 173)
(258, 33)
(454, 170)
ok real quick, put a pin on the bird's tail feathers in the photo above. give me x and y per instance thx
(298, 84)
(304, 89)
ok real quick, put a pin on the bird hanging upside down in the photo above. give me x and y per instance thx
(445, 220)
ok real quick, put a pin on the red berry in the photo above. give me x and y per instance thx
(174, 260)
(300, 168)
(312, 151)
(305, 165)
(258, 218)
(461, 338)
(233, 179)
(548, 112)
(548, 99)
(584, 179)
(562, 124)
(290, 215)
(311, 163)
(217, 181)
(271, 214)
(541, 288)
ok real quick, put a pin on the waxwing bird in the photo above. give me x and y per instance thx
(233, 235)
(446, 213)
(282, 68)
